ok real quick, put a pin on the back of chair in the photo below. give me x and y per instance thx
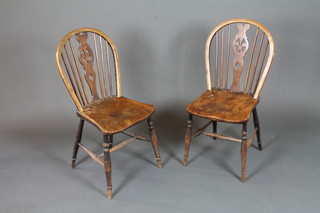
(88, 63)
(238, 56)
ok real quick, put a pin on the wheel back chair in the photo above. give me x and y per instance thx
(239, 51)
(88, 63)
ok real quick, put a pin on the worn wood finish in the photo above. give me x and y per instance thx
(243, 152)
(84, 58)
(154, 142)
(112, 115)
(241, 43)
(107, 164)
(224, 137)
(234, 103)
(187, 140)
(250, 140)
(223, 105)
(88, 64)
(200, 130)
(76, 143)
(240, 47)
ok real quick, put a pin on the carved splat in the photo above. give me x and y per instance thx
(240, 47)
(86, 58)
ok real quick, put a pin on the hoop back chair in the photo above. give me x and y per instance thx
(88, 64)
(238, 56)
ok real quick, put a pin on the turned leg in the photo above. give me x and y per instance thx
(214, 128)
(76, 143)
(257, 125)
(187, 140)
(243, 152)
(107, 163)
(154, 142)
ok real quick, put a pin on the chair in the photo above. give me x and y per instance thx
(92, 78)
(246, 48)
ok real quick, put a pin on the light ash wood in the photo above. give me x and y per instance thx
(122, 144)
(269, 58)
(224, 137)
(91, 154)
(250, 61)
(250, 140)
(200, 130)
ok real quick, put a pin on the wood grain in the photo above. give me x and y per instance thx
(223, 105)
(112, 115)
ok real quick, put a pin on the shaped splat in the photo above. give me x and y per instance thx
(240, 47)
(86, 58)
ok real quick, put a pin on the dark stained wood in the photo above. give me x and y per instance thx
(257, 126)
(76, 143)
(187, 140)
(112, 115)
(223, 105)
(214, 128)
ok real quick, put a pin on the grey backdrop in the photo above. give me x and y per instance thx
(161, 48)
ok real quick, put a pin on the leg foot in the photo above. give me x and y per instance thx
(257, 125)
(187, 140)
(76, 143)
(154, 142)
(107, 164)
(243, 153)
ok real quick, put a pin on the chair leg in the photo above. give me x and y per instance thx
(257, 125)
(214, 128)
(154, 142)
(76, 143)
(187, 140)
(107, 164)
(243, 152)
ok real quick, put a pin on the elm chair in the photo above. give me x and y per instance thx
(238, 56)
(88, 63)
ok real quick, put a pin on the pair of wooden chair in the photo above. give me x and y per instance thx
(88, 63)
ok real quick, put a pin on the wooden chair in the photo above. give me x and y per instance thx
(88, 63)
(246, 48)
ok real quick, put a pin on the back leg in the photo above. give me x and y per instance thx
(257, 125)
(187, 140)
(76, 143)
(214, 128)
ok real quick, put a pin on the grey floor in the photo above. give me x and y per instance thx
(284, 177)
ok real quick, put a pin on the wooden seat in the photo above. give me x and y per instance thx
(88, 64)
(224, 106)
(115, 114)
(238, 56)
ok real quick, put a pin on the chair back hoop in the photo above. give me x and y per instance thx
(243, 46)
(88, 64)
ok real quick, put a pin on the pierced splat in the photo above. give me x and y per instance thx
(86, 58)
(240, 48)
